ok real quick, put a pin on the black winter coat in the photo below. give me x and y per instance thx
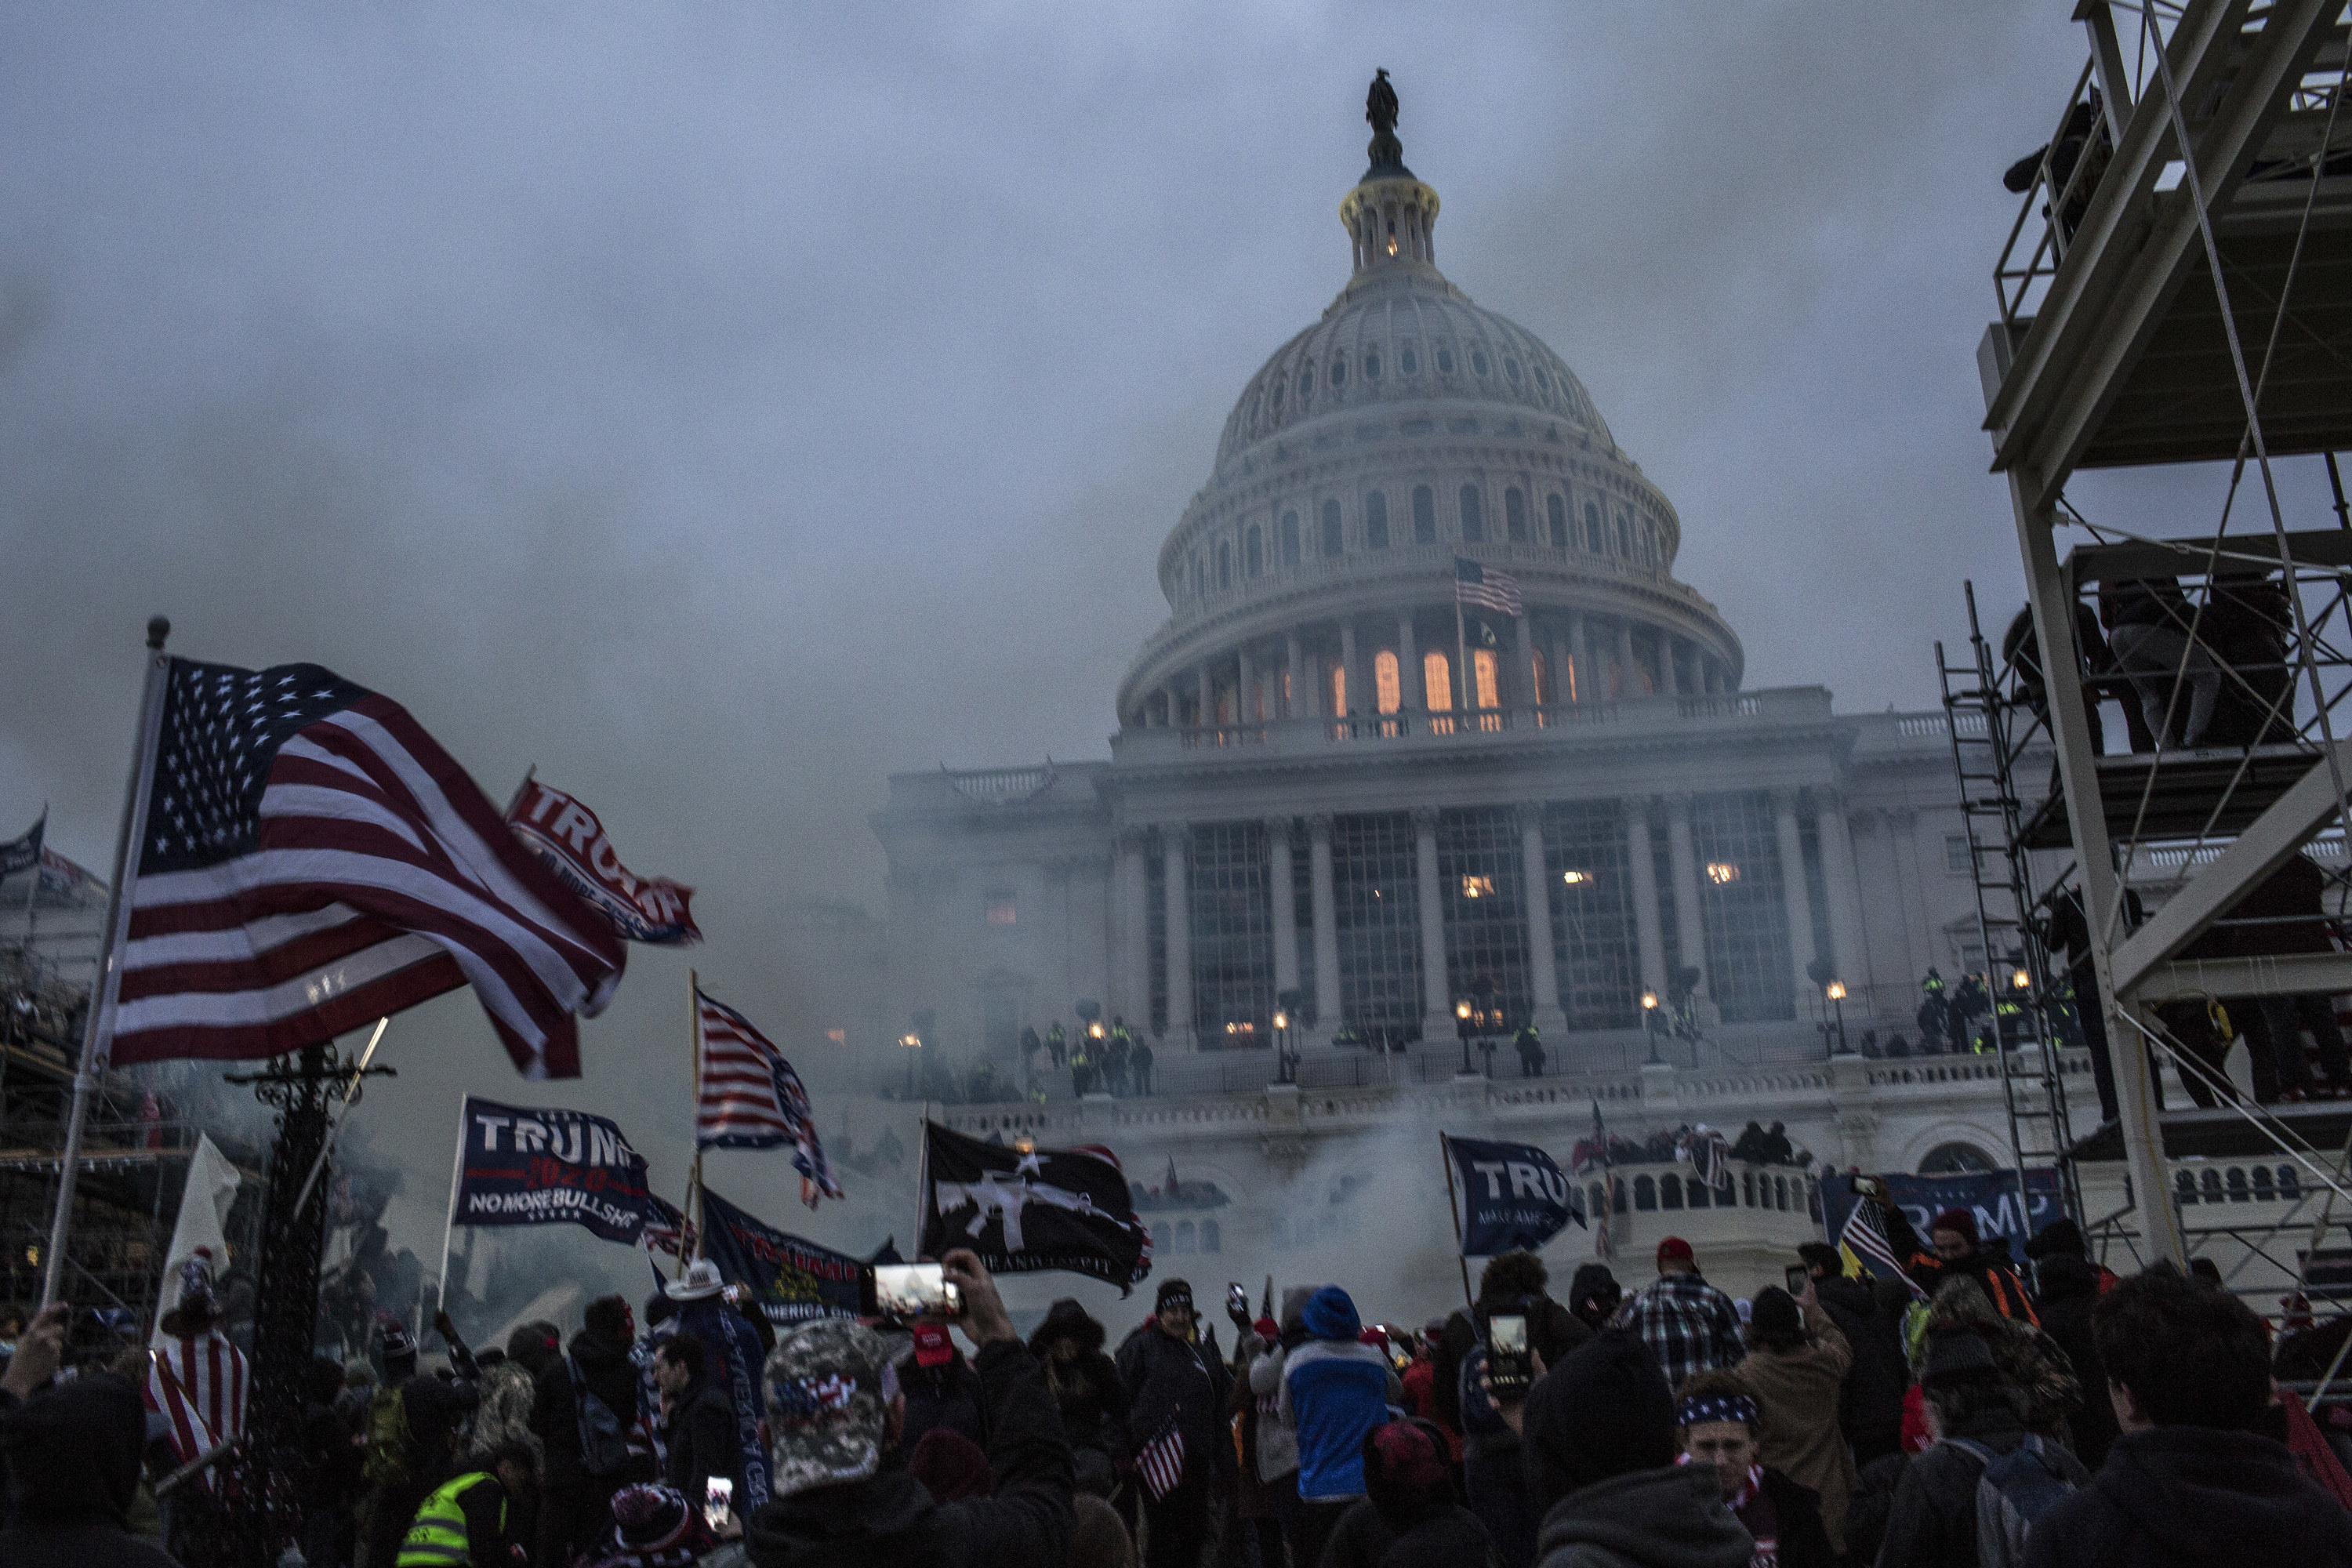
(71, 1456)
(1933, 1521)
(2070, 1289)
(702, 1443)
(1167, 1378)
(1870, 1405)
(1872, 1500)
(1445, 1536)
(2174, 1496)
(1552, 1332)
(611, 1376)
(1804, 1539)
(891, 1519)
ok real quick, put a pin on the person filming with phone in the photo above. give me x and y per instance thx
(835, 1410)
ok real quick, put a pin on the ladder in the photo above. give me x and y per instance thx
(1990, 727)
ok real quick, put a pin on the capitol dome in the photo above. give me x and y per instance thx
(1409, 439)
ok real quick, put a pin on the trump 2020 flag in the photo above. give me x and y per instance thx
(1509, 1196)
(523, 1165)
(1026, 1210)
(308, 859)
(568, 836)
(789, 1279)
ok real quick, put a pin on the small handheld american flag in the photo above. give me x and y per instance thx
(1161, 1463)
(1864, 1235)
(1484, 587)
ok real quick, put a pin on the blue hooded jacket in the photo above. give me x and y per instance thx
(1335, 1390)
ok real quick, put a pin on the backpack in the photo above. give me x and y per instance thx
(2015, 1490)
(603, 1445)
(390, 1449)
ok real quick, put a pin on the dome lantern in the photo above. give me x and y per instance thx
(1390, 215)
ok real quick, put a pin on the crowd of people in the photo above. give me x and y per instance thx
(1969, 1412)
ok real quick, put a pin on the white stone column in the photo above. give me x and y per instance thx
(1178, 907)
(1543, 968)
(1281, 887)
(1850, 951)
(1300, 700)
(1560, 667)
(1205, 685)
(1690, 923)
(1526, 633)
(1794, 897)
(1632, 678)
(1356, 700)
(1326, 906)
(1649, 932)
(1245, 696)
(1134, 964)
(1436, 991)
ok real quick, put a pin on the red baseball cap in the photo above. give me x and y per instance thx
(932, 1346)
(1675, 1250)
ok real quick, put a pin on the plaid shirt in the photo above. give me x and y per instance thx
(1687, 1323)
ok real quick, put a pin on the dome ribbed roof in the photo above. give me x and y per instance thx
(1398, 338)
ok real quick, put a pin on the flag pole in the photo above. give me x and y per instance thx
(98, 1033)
(336, 1131)
(1453, 1207)
(35, 887)
(449, 1223)
(694, 1123)
(922, 1171)
(1462, 654)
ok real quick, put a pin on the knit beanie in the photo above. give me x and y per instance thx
(1775, 1314)
(2059, 1239)
(950, 1466)
(1604, 1411)
(1331, 1314)
(1960, 1220)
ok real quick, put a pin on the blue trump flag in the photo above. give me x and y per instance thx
(547, 1165)
(790, 1281)
(1989, 1195)
(1508, 1196)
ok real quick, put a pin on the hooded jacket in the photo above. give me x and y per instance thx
(891, 1519)
(1169, 1381)
(1797, 1395)
(1671, 1518)
(1278, 1436)
(72, 1455)
(1334, 1392)
(611, 1376)
(2070, 1289)
(1092, 1399)
(1932, 1523)
(2172, 1496)
(1869, 1411)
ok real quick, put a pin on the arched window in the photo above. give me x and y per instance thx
(1424, 515)
(1592, 528)
(1555, 513)
(1290, 539)
(2210, 1181)
(1407, 361)
(1331, 528)
(1625, 534)
(1224, 563)
(1185, 1240)
(1478, 361)
(2290, 1184)
(1278, 395)
(1515, 515)
(1670, 1192)
(1339, 371)
(2237, 1184)
(1646, 1193)
(1386, 688)
(1488, 672)
(1373, 364)
(1437, 677)
(1307, 386)
(1781, 1193)
(1376, 520)
(1592, 1198)
(1254, 550)
(2261, 1183)
(2184, 1184)
(1696, 1192)
(1955, 1158)
(1748, 1189)
(1474, 521)
(1446, 362)
(1210, 1240)
(1511, 369)
(1619, 1183)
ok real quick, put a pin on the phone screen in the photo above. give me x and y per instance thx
(1507, 1335)
(1237, 1299)
(718, 1501)
(1510, 1368)
(907, 1290)
(1798, 1278)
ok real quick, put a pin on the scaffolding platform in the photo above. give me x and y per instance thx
(2194, 795)
(2223, 1133)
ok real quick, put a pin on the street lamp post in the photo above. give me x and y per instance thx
(1649, 1025)
(1462, 1029)
(1835, 991)
(910, 1043)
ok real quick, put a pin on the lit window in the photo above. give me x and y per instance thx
(1489, 673)
(1387, 688)
(1473, 520)
(1555, 513)
(1515, 515)
(1722, 871)
(1331, 528)
(1255, 551)
(1424, 515)
(1376, 520)
(1407, 361)
(1478, 886)
(1340, 688)
(1437, 673)
(838, 1036)
(1001, 910)
(1577, 879)
(1543, 680)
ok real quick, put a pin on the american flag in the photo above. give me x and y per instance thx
(310, 859)
(1604, 1227)
(1864, 1235)
(752, 1097)
(666, 1229)
(1484, 587)
(197, 1385)
(1161, 1463)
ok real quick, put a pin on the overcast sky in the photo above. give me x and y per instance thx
(722, 406)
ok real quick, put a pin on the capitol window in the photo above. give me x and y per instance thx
(1446, 362)
(1474, 521)
(1386, 689)
(1478, 361)
(1338, 688)
(1424, 515)
(1371, 365)
(1407, 361)
(1511, 369)
(1001, 909)
(1515, 515)
(1437, 679)
(1307, 384)
(1376, 520)
(1331, 528)
(1555, 513)
(1488, 670)
(1592, 528)
(1278, 396)
(1254, 552)
(1625, 534)
(1339, 372)
(1290, 539)
(1543, 381)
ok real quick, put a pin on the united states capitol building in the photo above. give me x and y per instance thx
(1331, 800)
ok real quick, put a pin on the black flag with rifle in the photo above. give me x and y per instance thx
(1022, 1211)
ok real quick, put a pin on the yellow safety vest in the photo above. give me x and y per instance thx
(437, 1539)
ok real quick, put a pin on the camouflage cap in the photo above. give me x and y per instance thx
(829, 1386)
